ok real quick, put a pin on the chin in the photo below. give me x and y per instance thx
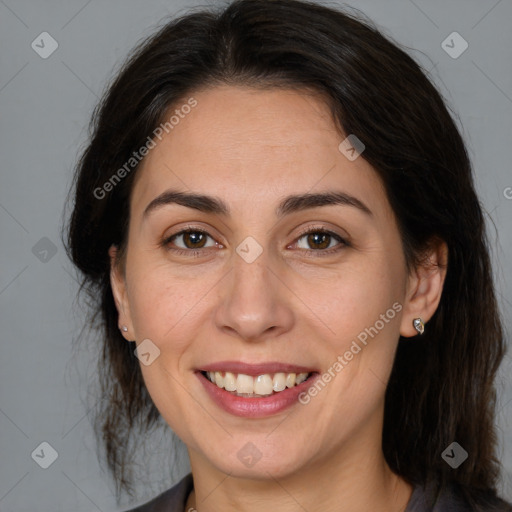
(254, 457)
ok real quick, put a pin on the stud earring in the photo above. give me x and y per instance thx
(124, 328)
(419, 325)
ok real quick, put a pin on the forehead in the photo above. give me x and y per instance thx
(251, 144)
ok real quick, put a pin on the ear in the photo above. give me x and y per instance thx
(424, 288)
(118, 284)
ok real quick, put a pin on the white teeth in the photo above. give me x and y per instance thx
(279, 382)
(301, 377)
(219, 379)
(262, 385)
(229, 382)
(244, 383)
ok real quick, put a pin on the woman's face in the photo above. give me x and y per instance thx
(252, 294)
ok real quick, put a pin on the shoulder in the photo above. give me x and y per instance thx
(172, 500)
(466, 499)
(454, 498)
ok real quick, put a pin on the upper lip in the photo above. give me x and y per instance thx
(255, 369)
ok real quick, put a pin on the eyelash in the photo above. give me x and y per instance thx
(309, 252)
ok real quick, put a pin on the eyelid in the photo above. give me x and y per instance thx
(322, 229)
(188, 229)
(343, 241)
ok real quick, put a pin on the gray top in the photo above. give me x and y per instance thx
(175, 499)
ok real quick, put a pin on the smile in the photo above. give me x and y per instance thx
(252, 387)
(255, 390)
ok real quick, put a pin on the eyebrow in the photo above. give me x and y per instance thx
(290, 204)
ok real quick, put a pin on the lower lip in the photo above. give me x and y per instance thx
(255, 407)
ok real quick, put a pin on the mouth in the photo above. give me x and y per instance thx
(260, 386)
(255, 390)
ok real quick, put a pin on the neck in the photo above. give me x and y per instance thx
(353, 478)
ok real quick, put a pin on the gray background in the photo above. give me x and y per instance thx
(45, 105)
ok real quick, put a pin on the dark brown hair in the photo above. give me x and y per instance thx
(442, 384)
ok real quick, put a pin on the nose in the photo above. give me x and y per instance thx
(255, 304)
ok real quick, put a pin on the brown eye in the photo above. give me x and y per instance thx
(194, 239)
(189, 240)
(321, 241)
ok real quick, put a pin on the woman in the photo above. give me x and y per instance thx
(278, 210)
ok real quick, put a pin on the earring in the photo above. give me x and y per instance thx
(124, 328)
(419, 325)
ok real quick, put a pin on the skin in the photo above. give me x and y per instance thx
(252, 148)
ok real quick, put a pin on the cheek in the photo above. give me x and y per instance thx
(360, 313)
(163, 304)
(352, 299)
